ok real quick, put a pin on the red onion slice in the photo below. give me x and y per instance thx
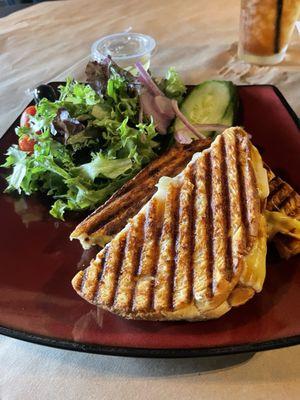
(185, 121)
(164, 105)
(146, 79)
(161, 121)
(181, 137)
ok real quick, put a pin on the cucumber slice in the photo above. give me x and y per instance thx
(211, 102)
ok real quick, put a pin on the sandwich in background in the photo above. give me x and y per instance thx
(198, 246)
(283, 216)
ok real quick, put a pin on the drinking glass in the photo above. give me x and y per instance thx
(265, 29)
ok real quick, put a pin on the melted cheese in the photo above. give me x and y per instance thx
(260, 174)
(87, 242)
(278, 222)
(162, 187)
(254, 271)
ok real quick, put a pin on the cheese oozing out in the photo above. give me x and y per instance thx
(278, 222)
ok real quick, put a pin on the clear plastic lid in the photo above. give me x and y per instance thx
(125, 48)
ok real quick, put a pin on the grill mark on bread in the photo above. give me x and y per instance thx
(125, 283)
(174, 248)
(121, 268)
(192, 219)
(226, 210)
(123, 210)
(281, 196)
(148, 257)
(292, 205)
(113, 224)
(156, 249)
(286, 199)
(242, 193)
(191, 212)
(111, 268)
(136, 258)
(200, 255)
(236, 221)
(209, 226)
(218, 206)
(117, 269)
(275, 186)
(165, 262)
(137, 268)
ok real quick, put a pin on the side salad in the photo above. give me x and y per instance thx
(81, 142)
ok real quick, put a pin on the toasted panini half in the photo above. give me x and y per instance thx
(197, 247)
(283, 216)
(105, 222)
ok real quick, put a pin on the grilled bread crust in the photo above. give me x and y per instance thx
(113, 215)
(182, 255)
(285, 199)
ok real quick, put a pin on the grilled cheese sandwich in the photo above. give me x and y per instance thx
(196, 248)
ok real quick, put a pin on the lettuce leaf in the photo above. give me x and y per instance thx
(99, 73)
(172, 85)
(124, 104)
(78, 98)
(101, 165)
(65, 125)
(17, 159)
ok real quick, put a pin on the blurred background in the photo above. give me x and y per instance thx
(9, 6)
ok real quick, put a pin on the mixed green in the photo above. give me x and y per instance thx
(81, 142)
(83, 145)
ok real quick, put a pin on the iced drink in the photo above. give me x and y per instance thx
(265, 29)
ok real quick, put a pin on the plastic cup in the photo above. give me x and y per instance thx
(125, 49)
(265, 29)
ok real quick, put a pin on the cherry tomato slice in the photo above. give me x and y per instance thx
(25, 117)
(26, 144)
